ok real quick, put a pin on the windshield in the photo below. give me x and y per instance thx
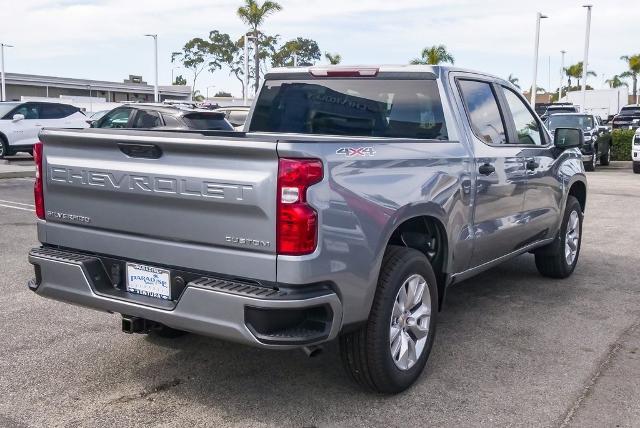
(574, 121)
(356, 107)
(6, 108)
(629, 111)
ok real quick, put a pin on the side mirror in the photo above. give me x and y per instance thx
(17, 117)
(566, 138)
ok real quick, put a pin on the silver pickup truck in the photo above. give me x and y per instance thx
(352, 200)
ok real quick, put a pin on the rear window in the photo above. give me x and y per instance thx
(630, 111)
(354, 107)
(210, 121)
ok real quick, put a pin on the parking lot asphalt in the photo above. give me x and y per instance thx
(512, 348)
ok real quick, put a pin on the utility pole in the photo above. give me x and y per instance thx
(246, 70)
(585, 61)
(534, 88)
(561, 75)
(156, 96)
(4, 89)
(295, 59)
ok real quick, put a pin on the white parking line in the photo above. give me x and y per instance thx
(17, 208)
(17, 203)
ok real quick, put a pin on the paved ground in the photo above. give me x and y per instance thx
(512, 349)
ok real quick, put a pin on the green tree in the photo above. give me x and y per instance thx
(434, 55)
(306, 50)
(576, 71)
(633, 63)
(513, 80)
(222, 94)
(197, 96)
(179, 80)
(333, 59)
(615, 82)
(254, 14)
(193, 57)
(221, 50)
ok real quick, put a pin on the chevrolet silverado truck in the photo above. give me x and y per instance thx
(354, 197)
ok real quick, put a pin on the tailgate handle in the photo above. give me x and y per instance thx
(148, 151)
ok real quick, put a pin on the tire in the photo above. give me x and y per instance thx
(606, 158)
(553, 261)
(367, 353)
(636, 167)
(4, 149)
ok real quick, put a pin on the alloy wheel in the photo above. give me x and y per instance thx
(409, 325)
(572, 238)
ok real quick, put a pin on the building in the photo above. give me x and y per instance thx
(131, 89)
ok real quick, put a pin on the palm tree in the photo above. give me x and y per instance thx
(576, 71)
(513, 80)
(615, 82)
(253, 14)
(434, 55)
(333, 58)
(197, 96)
(633, 62)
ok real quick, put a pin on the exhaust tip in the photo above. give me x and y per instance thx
(313, 351)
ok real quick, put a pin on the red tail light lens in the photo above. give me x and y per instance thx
(38, 194)
(297, 227)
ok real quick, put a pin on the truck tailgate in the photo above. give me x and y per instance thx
(199, 202)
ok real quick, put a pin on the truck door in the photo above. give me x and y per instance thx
(543, 197)
(500, 175)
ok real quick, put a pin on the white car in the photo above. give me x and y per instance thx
(635, 152)
(21, 122)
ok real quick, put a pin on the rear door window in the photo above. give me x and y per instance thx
(482, 108)
(147, 119)
(354, 107)
(52, 111)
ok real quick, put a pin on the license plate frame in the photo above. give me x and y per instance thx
(146, 280)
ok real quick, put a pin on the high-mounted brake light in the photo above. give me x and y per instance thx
(297, 223)
(343, 72)
(38, 194)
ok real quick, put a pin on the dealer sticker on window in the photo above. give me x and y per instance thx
(148, 281)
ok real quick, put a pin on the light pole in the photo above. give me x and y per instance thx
(534, 88)
(4, 89)
(172, 70)
(295, 59)
(212, 86)
(561, 75)
(585, 61)
(155, 60)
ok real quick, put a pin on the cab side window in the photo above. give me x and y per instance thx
(527, 127)
(118, 118)
(483, 112)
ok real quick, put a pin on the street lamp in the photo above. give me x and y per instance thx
(4, 90)
(585, 61)
(561, 75)
(246, 68)
(172, 70)
(212, 86)
(155, 59)
(534, 88)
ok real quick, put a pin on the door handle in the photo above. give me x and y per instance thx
(486, 169)
(531, 165)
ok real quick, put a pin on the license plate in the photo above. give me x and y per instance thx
(148, 281)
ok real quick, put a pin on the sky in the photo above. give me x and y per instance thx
(104, 39)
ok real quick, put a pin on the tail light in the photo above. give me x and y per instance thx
(297, 223)
(343, 72)
(38, 194)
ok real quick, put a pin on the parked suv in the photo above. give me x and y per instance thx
(162, 117)
(635, 152)
(354, 199)
(597, 138)
(559, 108)
(20, 123)
(628, 118)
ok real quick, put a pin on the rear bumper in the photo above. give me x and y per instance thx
(231, 310)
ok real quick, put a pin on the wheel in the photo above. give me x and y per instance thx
(591, 164)
(4, 149)
(559, 259)
(606, 157)
(636, 167)
(390, 351)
